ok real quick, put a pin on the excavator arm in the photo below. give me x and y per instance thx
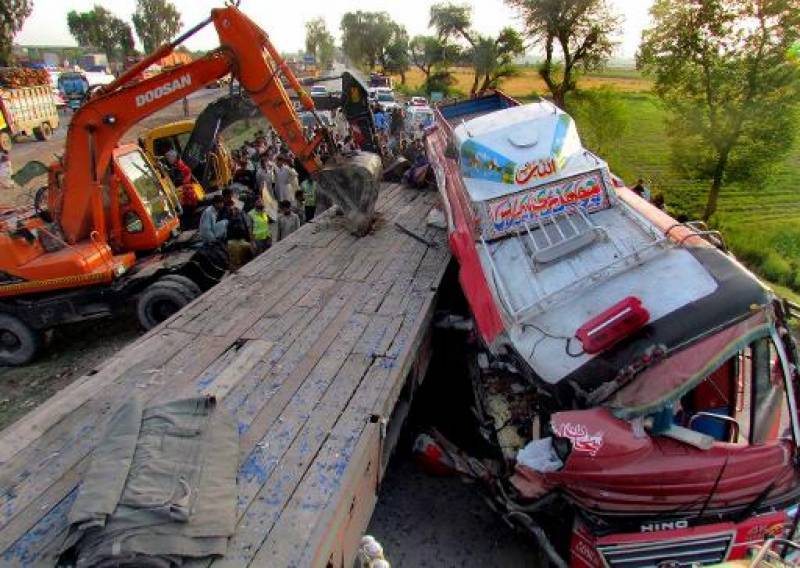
(98, 126)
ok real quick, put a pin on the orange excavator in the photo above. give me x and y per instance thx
(110, 231)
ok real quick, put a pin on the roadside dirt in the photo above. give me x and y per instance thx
(74, 350)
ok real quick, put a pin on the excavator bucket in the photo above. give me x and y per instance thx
(352, 182)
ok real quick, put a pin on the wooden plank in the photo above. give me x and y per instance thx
(279, 485)
(304, 345)
(288, 539)
(30, 496)
(30, 427)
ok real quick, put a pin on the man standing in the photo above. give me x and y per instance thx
(5, 171)
(211, 230)
(639, 189)
(309, 187)
(262, 238)
(179, 172)
(285, 180)
(288, 221)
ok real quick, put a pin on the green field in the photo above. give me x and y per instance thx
(760, 221)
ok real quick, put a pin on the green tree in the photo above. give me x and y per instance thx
(582, 32)
(156, 23)
(396, 57)
(603, 120)
(367, 35)
(452, 21)
(426, 52)
(13, 14)
(493, 58)
(101, 29)
(319, 42)
(723, 70)
(490, 58)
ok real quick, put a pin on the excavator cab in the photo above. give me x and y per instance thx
(143, 214)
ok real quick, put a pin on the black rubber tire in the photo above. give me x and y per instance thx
(43, 132)
(19, 344)
(5, 141)
(208, 265)
(187, 283)
(159, 301)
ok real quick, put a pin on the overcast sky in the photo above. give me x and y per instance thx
(284, 21)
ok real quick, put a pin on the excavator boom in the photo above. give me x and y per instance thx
(96, 129)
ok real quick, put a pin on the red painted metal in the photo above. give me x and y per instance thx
(613, 325)
(613, 470)
(585, 546)
(462, 237)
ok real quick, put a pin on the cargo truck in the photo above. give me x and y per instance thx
(26, 111)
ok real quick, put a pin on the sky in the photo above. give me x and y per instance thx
(47, 25)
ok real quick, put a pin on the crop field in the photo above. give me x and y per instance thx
(529, 83)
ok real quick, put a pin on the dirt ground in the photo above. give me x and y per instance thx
(73, 350)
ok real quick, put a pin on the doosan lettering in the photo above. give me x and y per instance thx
(165, 89)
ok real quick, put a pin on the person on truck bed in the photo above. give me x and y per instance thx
(239, 230)
(179, 172)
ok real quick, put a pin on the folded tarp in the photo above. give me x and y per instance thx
(161, 487)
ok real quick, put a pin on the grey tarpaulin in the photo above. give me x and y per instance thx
(161, 487)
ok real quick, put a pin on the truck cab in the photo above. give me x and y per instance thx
(73, 86)
(640, 382)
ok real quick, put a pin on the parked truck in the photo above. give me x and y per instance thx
(26, 110)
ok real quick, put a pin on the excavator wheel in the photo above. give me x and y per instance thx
(183, 281)
(208, 265)
(19, 344)
(160, 300)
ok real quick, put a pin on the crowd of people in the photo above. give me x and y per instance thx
(272, 194)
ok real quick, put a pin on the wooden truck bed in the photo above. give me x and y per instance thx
(314, 346)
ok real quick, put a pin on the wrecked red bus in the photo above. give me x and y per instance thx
(638, 382)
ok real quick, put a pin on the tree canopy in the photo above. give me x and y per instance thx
(452, 21)
(367, 35)
(492, 58)
(13, 14)
(396, 57)
(581, 30)
(156, 22)
(724, 71)
(319, 42)
(101, 29)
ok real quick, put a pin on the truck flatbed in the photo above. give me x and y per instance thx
(315, 347)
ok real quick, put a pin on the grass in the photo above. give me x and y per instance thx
(760, 221)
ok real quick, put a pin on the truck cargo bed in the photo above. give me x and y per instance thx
(309, 346)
